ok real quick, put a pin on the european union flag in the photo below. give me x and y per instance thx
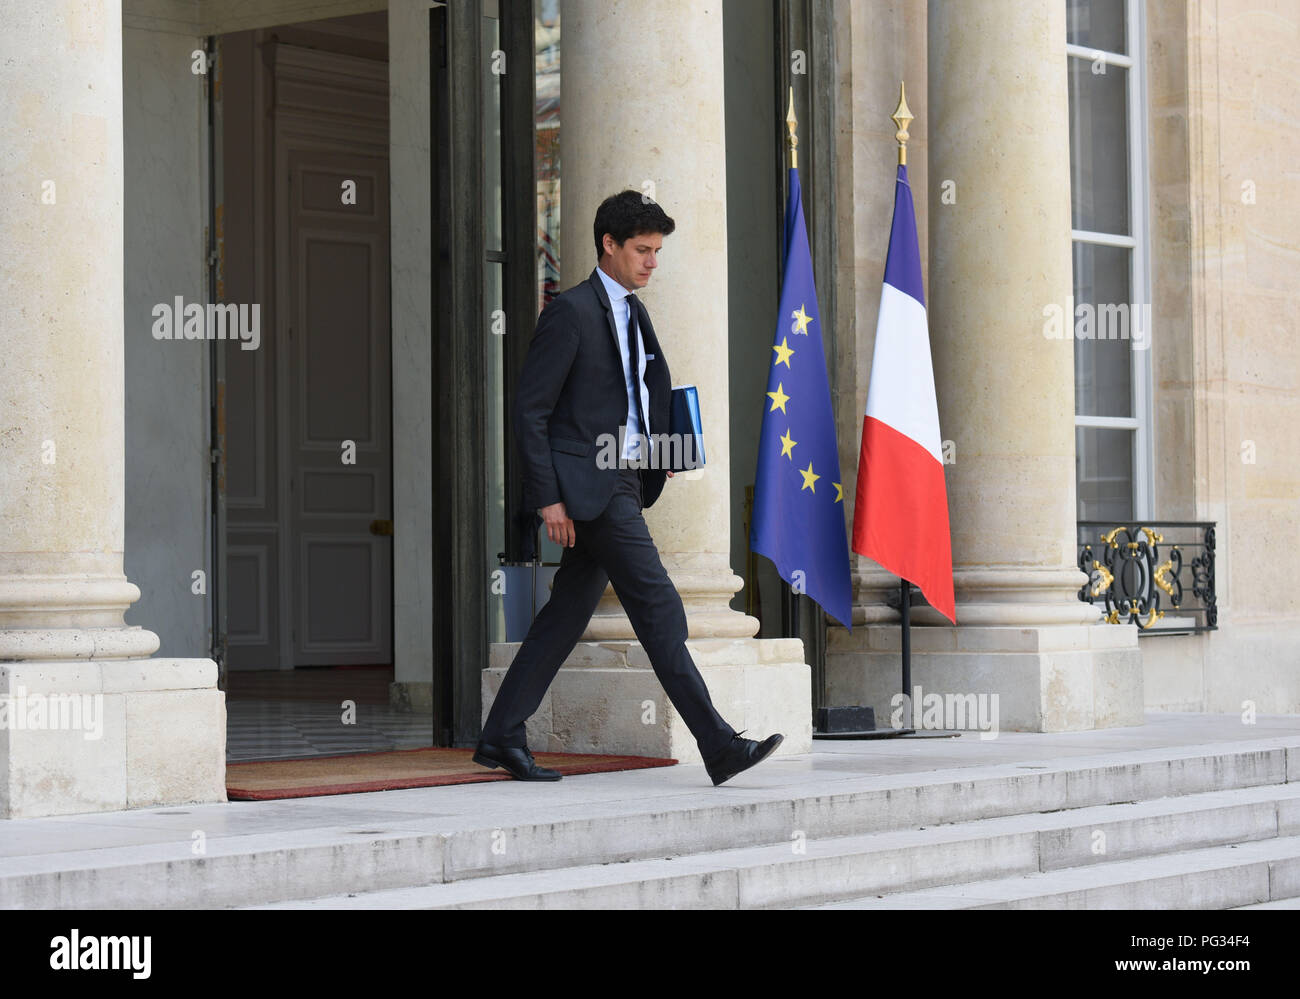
(798, 517)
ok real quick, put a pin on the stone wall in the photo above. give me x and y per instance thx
(1225, 140)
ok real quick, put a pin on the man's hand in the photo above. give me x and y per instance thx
(670, 475)
(559, 528)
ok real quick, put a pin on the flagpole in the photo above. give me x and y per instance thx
(901, 117)
(905, 609)
(872, 515)
(791, 610)
(793, 600)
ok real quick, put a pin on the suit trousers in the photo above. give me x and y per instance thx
(614, 547)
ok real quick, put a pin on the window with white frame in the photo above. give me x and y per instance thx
(1112, 312)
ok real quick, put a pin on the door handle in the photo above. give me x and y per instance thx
(381, 527)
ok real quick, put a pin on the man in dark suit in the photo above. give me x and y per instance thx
(595, 385)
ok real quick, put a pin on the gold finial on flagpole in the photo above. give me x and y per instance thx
(791, 123)
(902, 115)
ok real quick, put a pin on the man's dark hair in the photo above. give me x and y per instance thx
(627, 214)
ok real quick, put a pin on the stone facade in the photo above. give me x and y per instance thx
(1221, 143)
(1225, 140)
(80, 456)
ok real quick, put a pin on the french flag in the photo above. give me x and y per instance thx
(900, 519)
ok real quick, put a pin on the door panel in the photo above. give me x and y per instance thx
(308, 583)
(339, 439)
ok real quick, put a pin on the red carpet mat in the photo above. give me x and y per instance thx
(402, 768)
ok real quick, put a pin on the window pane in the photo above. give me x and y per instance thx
(1103, 461)
(1098, 147)
(1098, 24)
(491, 136)
(1106, 326)
(547, 33)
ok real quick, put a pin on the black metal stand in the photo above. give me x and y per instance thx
(905, 612)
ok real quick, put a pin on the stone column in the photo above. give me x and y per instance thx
(660, 129)
(62, 587)
(642, 108)
(999, 254)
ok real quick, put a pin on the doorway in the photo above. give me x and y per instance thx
(304, 422)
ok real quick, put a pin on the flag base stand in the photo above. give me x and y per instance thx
(886, 733)
(827, 715)
(853, 722)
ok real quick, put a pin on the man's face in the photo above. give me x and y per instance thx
(632, 263)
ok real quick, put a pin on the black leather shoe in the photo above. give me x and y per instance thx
(519, 763)
(740, 755)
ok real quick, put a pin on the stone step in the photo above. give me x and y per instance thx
(375, 855)
(1281, 903)
(1261, 874)
(800, 872)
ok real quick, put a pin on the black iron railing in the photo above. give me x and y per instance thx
(1158, 575)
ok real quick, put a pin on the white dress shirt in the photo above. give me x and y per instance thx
(622, 309)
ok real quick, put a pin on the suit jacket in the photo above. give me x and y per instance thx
(572, 391)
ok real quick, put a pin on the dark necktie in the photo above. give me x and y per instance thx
(634, 359)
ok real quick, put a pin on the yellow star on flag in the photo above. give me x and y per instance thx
(839, 492)
(783, 353)
(808, 478)
(779, 398)
(787, 446)
(801, 321)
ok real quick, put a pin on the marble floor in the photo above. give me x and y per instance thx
(277, 715)
(278, 730)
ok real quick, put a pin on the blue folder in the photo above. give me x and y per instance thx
(685, 447)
